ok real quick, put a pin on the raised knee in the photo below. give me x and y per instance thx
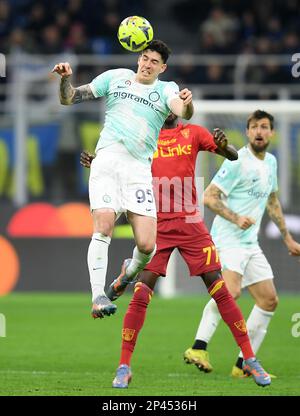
(270, 303)
(146, 247)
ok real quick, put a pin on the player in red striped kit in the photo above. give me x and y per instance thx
(180, 226)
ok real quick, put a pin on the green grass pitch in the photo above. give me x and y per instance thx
(53, 347)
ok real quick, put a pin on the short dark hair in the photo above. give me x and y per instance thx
(160, 47)
(258, 115)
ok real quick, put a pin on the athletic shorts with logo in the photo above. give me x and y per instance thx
(121, 182)
(250, 263)
(193, 242)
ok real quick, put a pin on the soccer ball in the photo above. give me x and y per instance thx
(135, 33)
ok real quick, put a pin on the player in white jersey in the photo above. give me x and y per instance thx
(239, 194)
(137, 105)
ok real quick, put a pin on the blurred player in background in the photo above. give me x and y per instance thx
(137, 105)
(180, 226)
(239, 194)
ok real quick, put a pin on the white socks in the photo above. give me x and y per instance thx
(209, 321)
(138, 262)
(97, 259)
(257, 325)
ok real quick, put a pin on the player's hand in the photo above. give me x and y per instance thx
(245, 222)
(293, 247)
(86, 159)
(220, 138)
(186, 96)
(63, 69)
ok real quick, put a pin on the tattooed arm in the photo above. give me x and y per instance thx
(68, 94)
(275, 212)
(212, 199)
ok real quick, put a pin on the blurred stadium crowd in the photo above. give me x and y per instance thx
(207, 27)
(217, 27)
(62, 25)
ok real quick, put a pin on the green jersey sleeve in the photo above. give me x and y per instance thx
(227, 176)
(100, 84)
(171, 91)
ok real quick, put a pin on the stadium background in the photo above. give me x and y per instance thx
(223, 50)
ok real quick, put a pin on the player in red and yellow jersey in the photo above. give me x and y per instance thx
(180, 226)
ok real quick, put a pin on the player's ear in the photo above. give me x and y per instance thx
(163, 68)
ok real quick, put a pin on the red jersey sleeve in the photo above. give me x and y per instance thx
(204, 139)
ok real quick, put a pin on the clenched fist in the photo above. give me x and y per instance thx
(63, 69)
(186, 96)
(244, 222)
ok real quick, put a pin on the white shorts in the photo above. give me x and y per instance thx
(251, 263)
(120, 182)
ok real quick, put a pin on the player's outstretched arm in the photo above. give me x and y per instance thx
(68, 94)
(183, 106)
(275, 212)
(224, 149)
(212, 199)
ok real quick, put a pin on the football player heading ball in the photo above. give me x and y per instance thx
(137, 105)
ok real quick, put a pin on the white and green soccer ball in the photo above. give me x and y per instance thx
(135, 33)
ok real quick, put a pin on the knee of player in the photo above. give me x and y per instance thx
(270, 303)
(146, 247)
(105, 229)
(103, 226)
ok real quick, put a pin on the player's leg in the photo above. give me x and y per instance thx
(97, 258)
(235, 261)
(211, 315)
(138, 201)
(144, 230)
(132, 325)
(258, 278)
(200, 254)
(228, 309)
(137, 309)
(209, 268)
(233, 317)
(104, 205)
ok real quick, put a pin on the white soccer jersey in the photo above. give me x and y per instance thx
(246, 184)
(135, 112)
